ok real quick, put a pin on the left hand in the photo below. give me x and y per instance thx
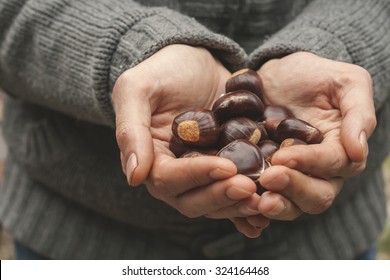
(335, 97)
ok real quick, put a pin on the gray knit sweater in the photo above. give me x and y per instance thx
(64, 194)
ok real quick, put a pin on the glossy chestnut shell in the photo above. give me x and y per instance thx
(273, 115)
(296, 128)
(245, 79)
(196, 128)
(235, 104)
(240, 128)
(177, 147)
(245, 156)
(199, 152)
(263, 131)
(292, 142)
(268, 148)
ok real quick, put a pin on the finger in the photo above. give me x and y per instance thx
(246, 228)
(133, 116)
(244, 208)
(176, 176)
(357, 108)
(277, 207)
(325, 160)
(221, 194)
(312, 195)
(258, 221)
(123, 163)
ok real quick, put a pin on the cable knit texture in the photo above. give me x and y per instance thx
(64, 194)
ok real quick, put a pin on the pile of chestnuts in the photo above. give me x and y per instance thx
(240, 127)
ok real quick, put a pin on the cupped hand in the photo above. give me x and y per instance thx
(335, 97)
(146, 100)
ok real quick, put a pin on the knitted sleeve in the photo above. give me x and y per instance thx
(353, 31)
(67, 54)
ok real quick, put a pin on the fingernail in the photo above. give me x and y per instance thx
(133, 163)
(277, 209)
(363, 143)
(219, 173)
(254, 234)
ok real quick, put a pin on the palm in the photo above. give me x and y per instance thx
(297, 84)
(316, 110)
(186, 89)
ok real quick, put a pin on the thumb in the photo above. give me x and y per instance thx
(358, 124)
(133, 117)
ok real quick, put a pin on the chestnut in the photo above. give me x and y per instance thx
(273, 115)
(292, 142)
(192, 154)
(263, 131)
(196, 128)
(241, 103)
(259, 188)
(199, 152)
(240, 128)
(296, 128)
(177, 147)
(245, 156)
(268, 148)
(245, 79)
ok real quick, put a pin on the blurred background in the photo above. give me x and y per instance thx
(6, 244)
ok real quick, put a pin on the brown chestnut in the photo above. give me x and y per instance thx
(245, 79)
(235, 104)
(240, 128)
(259, 188)
(292, 142)
(273, 115)
(296, 128)
(199, 152)
(263, 131)
(268, 148)
(196, 128)
(192, 154)
(245, 156)
(177, 147)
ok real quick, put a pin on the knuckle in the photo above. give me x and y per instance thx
(364, 73)
(142, 85)
(352, 74)
(339, 162)
(122, 134)
(194, 178)
(123, 80)
(160, 187)
(344, 79)
(324, 202)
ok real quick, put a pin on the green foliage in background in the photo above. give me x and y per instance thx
(384, 241)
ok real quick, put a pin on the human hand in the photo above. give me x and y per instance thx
(335, 97)
(146, 100)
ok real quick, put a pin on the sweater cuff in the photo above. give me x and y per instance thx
(143, 36)
(293, 39)
(350, 31)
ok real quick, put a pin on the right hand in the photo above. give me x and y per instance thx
(337, 98)
(146, 100)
